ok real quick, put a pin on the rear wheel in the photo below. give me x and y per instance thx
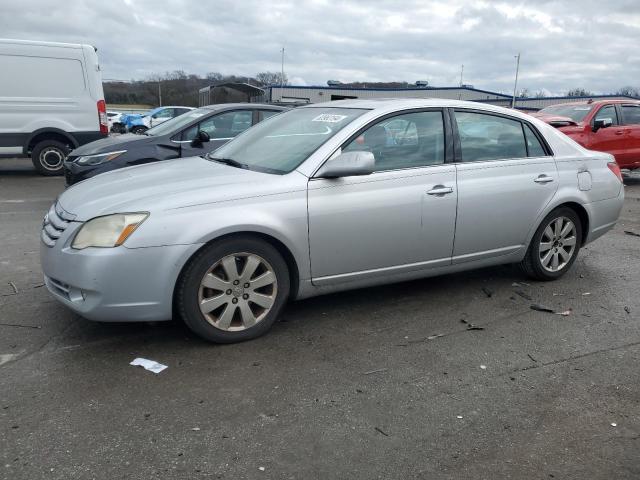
(138, 130)
(48, 157)
(555, 245)
(233, 290)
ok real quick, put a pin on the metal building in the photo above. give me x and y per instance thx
(300, 94)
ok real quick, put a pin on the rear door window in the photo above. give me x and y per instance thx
(264, 114)
(221, 127)
(631, 114)
(489, 137)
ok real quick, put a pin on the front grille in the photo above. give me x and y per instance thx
(54, 224)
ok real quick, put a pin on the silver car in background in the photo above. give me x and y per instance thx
(323, 198)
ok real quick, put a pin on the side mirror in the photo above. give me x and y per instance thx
(601, 123)
(348, 164)
(201, 137)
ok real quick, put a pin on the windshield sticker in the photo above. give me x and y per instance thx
(329, 118)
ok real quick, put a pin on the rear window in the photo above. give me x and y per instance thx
(38, 77)
(574, 112)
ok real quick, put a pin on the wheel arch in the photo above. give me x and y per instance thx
(582, 215)
(48, 133)
(287, 255)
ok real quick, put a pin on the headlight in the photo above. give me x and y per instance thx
(108, 231)
(99, 158)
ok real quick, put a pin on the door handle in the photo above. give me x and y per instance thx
(619, 132)
(543, 179)
(440, 190)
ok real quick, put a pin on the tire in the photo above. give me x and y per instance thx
(138, 130)
(547, 247)
(48, 157)
(224, 312)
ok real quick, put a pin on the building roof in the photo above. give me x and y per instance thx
(381, 89)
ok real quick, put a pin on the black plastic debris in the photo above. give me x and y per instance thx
(627, 309)
(542, 308)
(471, 326)
(487, 291)
(633, 234)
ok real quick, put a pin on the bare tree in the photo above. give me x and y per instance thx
(579, 92)
(271, 78)
(540, 94)
(629, 91)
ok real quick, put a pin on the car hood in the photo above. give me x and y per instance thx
(171, 184)
(112, 143)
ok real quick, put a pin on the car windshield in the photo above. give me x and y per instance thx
(281, 143)
(173, 125)
(574, 112)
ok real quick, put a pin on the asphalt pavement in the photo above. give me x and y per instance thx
(382, 383)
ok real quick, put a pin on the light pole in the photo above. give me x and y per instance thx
(515, 85)
(159, 94)
(461, 72)
(282, 71)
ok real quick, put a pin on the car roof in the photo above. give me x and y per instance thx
(595, 102)
(229, 106)
(393, 104)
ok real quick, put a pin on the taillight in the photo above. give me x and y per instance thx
(613, 166)
(102, 117)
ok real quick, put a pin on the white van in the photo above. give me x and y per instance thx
(51, 101)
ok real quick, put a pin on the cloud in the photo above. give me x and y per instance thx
(563, 44)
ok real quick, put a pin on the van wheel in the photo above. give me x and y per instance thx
(555, 245)
(138, 130)
(233, 290)
(48, 157)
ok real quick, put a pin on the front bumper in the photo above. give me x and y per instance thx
(114, 284)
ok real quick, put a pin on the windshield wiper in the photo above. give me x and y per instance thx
(229, 161)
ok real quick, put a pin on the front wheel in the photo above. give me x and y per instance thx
(138, 130)
(555, 245)
(233, 290)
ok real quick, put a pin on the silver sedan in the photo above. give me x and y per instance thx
(324, 198)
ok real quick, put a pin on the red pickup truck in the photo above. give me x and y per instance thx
(611, 126)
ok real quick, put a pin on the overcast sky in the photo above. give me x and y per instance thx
(564, 44)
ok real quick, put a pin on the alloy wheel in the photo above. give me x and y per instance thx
(557, 244)
(237, 292)
(51, 158)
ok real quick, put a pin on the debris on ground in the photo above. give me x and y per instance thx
(18, 325)
(627, 309)
(558, 294)
(633, 234)
(15, 289)
(487, 291)
(150, 365)
(483, 367)
(614, 424)
(471, 326)
(459, 417)
(586, 293)
(375, 371)
(437, 335)
(261, 469)
(195, 429)
(531, 357)
(379, 430)
(522, 294)
(566, 313)
(542, 308)
(38, 285)
(520, 284)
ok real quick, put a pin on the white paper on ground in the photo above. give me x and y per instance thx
(150, 365)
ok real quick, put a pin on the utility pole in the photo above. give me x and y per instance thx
(159, 94)
(515, 85)
(282, 71)
(461, 72)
